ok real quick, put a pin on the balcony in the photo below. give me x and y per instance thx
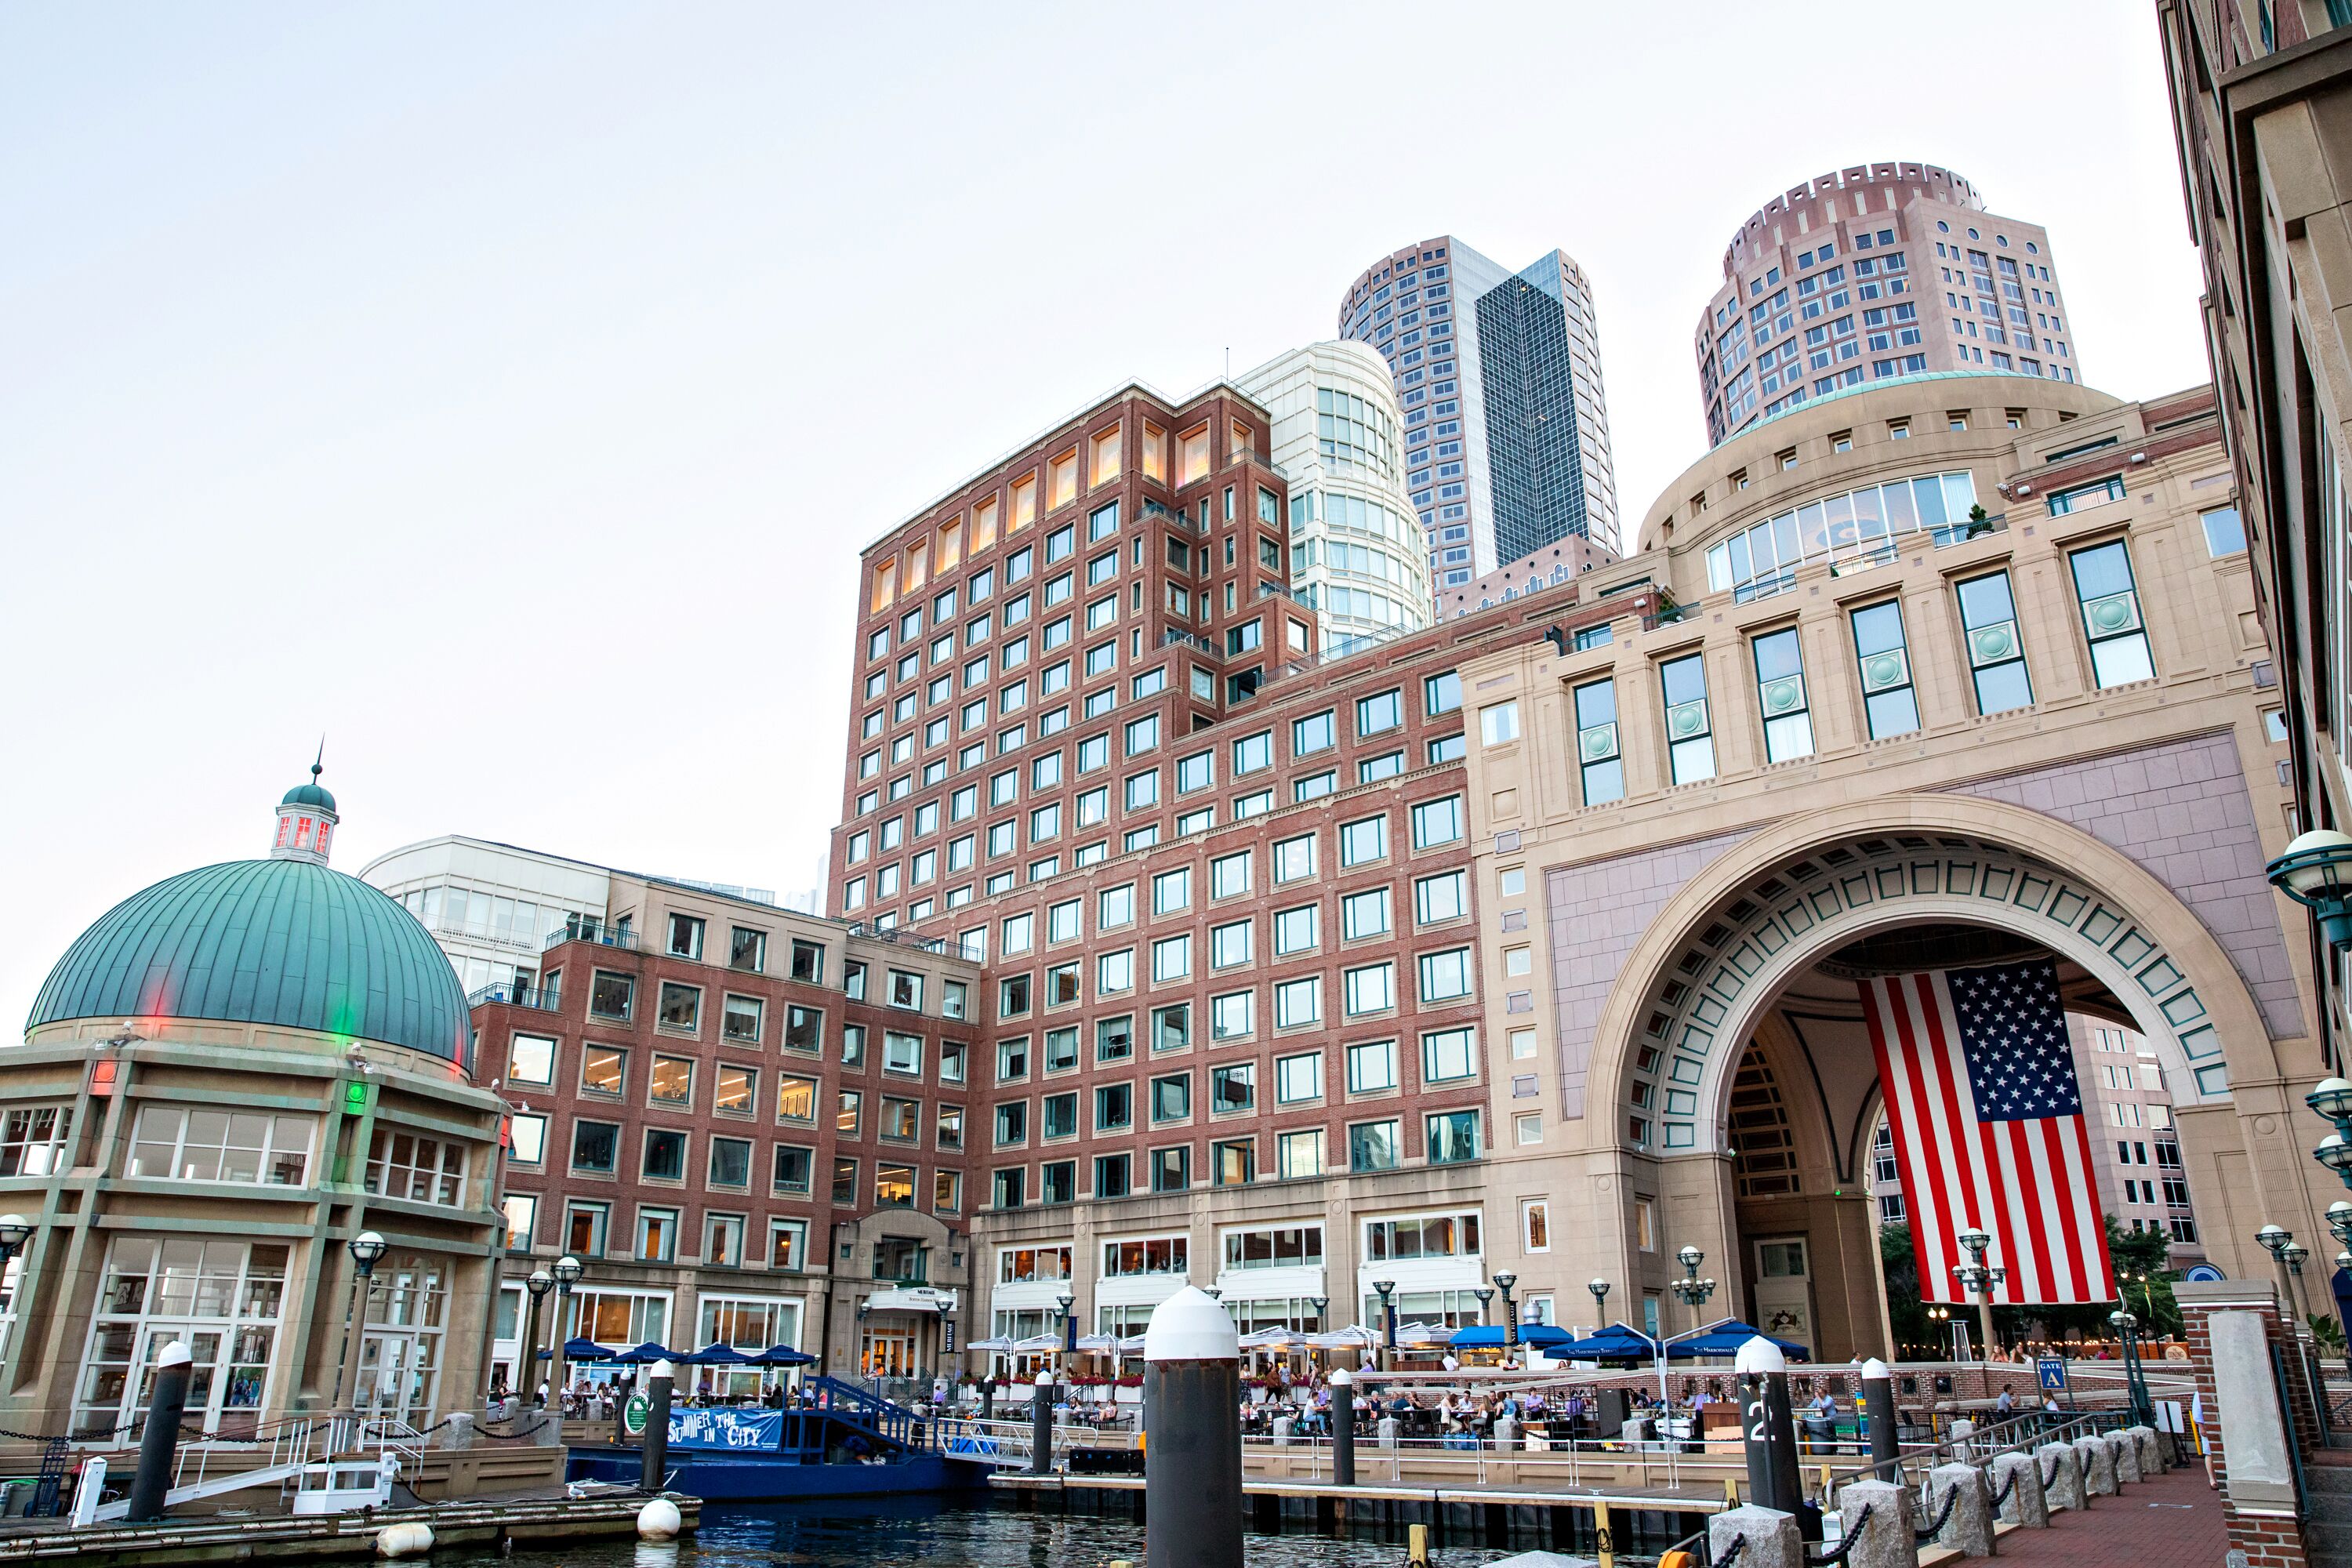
(545, 998)
(1175, 519)
(599, 935)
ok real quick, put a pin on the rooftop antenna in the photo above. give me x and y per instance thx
(1229, 361)
(320, 765)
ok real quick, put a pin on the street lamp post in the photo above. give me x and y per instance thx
(540, 1283)
(2316, 872)
(1693, 1291)
(2292, 1255)
(567, 1272)
(1504, 1282)
(1386, 1288)
(1599, 1289)
(2142, 1408)
(1978, 1280)
(16, 1230)
(2276, 1239)
(366, 1248)
(1065, 1301)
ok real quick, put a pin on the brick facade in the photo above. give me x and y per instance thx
(2269, 1537)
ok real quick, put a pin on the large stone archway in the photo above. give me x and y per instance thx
(1692, 989)
(1707, 981)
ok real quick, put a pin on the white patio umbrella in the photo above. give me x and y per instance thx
(1355, 1337)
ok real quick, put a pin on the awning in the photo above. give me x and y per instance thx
(912, 1298)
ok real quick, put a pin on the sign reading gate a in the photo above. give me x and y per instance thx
(2050, 1371)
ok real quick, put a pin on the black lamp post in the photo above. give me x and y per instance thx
(1599, 1289)
(1321, 1305)
(1065, 1301)
(1693, 1292)
(1387, 1288)
(537, 1287)
(567, 1272)
(2142, 1408)
(1485, 1294)
(2316, 872)
(2278, 1241)
(15, 1231)
(366, 1248)
(1978, 1280)
(1504, 1282)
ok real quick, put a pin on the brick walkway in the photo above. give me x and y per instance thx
(2171, 1522)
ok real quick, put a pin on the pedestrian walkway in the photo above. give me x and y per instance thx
(2168, 1522)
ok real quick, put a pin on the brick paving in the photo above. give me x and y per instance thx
(2170, 1522)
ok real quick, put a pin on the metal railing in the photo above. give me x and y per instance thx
(273, 1444)
(596, 935)
(1177, 518)
(543, 999)
(1557, 1462)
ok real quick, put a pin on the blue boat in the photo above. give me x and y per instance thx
(849, 1443)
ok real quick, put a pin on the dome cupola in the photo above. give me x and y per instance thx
(306, 819)
(285, 942)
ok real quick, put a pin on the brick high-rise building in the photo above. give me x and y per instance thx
(1507, 425)
(747, 1122)
(1875, 271)
(1218, 882)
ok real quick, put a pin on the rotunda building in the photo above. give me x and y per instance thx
(224, 1082)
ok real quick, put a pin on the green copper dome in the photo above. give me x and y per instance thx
(314, 795)
(283, 941)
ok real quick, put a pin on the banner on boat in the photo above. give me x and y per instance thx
(726, 1428)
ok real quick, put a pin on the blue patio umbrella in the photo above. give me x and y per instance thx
(580, 1349)
(1618, 1341)
(1491, 1336)
(1724, 1338)
(649, 1352)
(717, 1355)
(783, 1355)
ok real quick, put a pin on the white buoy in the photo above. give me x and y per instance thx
(408, 1538)
(660, 1521)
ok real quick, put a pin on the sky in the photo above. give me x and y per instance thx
(503, 393)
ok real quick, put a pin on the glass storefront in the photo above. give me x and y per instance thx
(222, 1298)
(401, 1353)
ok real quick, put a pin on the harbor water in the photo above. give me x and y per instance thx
(941, 1533)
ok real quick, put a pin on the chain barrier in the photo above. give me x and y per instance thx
(1951, 1496)
(89, 1434)
(2050, 1477)
(1845, 1547)
(1732, 1556)
(2001, 1496)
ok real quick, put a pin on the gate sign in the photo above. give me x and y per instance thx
(726, 1428)
(2051, 1372)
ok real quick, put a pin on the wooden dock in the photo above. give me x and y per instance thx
(480, 1522)
(1562, 1519)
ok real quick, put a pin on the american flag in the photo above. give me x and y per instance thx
(1988, 1132)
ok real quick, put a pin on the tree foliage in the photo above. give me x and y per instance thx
(2133, 1254)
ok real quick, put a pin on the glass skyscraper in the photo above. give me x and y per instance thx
(1499, 376)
